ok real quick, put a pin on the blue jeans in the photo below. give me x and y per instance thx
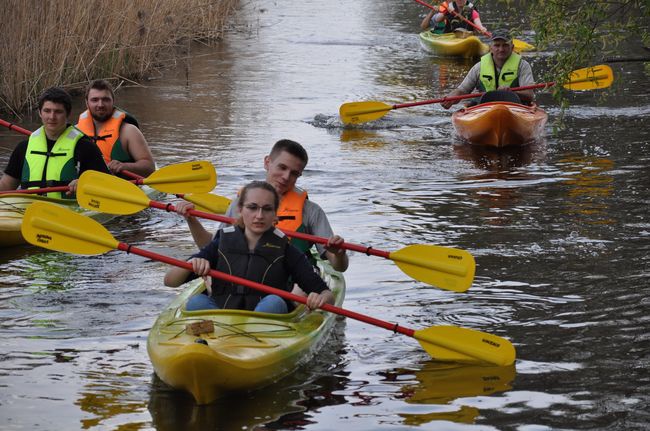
(268, 304)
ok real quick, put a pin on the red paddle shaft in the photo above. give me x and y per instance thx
(472, 95)
(304, 236)
(266, 289)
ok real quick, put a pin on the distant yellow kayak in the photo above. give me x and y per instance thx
(235, 350)
(449, 44)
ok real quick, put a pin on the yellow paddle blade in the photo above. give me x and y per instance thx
(520, 45)
(443, 267)
(57, 228)
(189, 177)
(590, 78)
(208, 202)
(362, 112)
(110, 194)
(469, 345)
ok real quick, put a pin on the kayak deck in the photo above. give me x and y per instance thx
(500, 124)
(245, 350)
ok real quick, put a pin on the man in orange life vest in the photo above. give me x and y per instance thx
(115, 132)
(55, 154)
(284, 165)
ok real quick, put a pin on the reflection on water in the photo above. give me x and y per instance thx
(591, 182)
(447, 385)
(499, 162)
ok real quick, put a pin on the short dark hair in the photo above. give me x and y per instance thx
(100, 84)
(291, 147)
(56, 95)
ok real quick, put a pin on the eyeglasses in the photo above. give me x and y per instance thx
(255, 208)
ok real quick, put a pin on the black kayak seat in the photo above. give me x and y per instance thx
(500, 96)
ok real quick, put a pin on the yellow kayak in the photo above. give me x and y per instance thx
(235, 350)
(449, 44)
(13, 205)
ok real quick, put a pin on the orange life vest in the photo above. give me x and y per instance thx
(290, 210)
(107, 137)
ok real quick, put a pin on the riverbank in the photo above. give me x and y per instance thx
(66, 43)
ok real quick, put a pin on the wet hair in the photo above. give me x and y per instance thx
(291, 147)
(56, 95)
(256, 185)
(102, 85)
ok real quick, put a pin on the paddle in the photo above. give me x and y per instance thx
(519, 45)
(56, 228)
(444, 267)
(208, 202)
(203, 201)
(588, 78)
(11, 126)
(198, 176)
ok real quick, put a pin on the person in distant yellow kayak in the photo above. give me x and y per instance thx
(444, 21)
(55, 154)
(497, 72)
(255, 250)
(115, 132)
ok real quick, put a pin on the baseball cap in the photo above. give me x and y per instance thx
(502, 34)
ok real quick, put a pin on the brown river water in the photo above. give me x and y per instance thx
(560, 232)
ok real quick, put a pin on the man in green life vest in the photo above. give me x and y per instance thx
(498, 71)
(55, 154)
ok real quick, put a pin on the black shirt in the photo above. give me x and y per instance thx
(87, 156)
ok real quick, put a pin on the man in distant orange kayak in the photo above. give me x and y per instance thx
(497, 72)
(55, 154)
(120, 141)
(445, 21)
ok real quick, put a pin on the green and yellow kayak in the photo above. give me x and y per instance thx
(13, 205)
(449, 44)
(235, 350)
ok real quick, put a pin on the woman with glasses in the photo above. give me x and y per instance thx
(255, 250)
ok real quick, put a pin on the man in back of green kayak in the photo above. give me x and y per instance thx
(444, 19)
(497, 72)
(55, 154)
(115, 132)
(284, 165)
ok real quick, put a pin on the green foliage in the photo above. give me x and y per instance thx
(582, 33)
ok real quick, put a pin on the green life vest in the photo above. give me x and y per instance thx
(507, 77)
(43, 168)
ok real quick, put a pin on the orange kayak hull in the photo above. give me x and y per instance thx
(500, 124)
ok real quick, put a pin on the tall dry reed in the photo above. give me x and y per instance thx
(68, 43)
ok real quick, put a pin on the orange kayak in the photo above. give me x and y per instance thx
(500, 124)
